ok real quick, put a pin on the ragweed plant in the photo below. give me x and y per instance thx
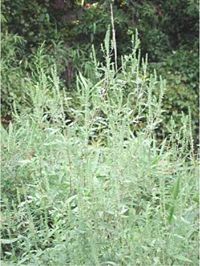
(100, 189)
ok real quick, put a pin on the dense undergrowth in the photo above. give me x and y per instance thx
(85, 180)
(168, 31)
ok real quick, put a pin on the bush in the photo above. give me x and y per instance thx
(181, 71)
(92, 193)
(29, 19)
(12, 72)
(18, 68)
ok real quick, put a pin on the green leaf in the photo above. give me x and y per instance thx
(8, 241)
(176, 189)
(182, 258)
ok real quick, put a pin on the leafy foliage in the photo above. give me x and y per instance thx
(90, 192)
(12, 73)
(182, 85)
(168, 32)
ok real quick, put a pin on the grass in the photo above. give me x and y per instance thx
(99, 189)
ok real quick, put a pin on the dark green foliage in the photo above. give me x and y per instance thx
(12, 73)
(181, 72)
(30, 19)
